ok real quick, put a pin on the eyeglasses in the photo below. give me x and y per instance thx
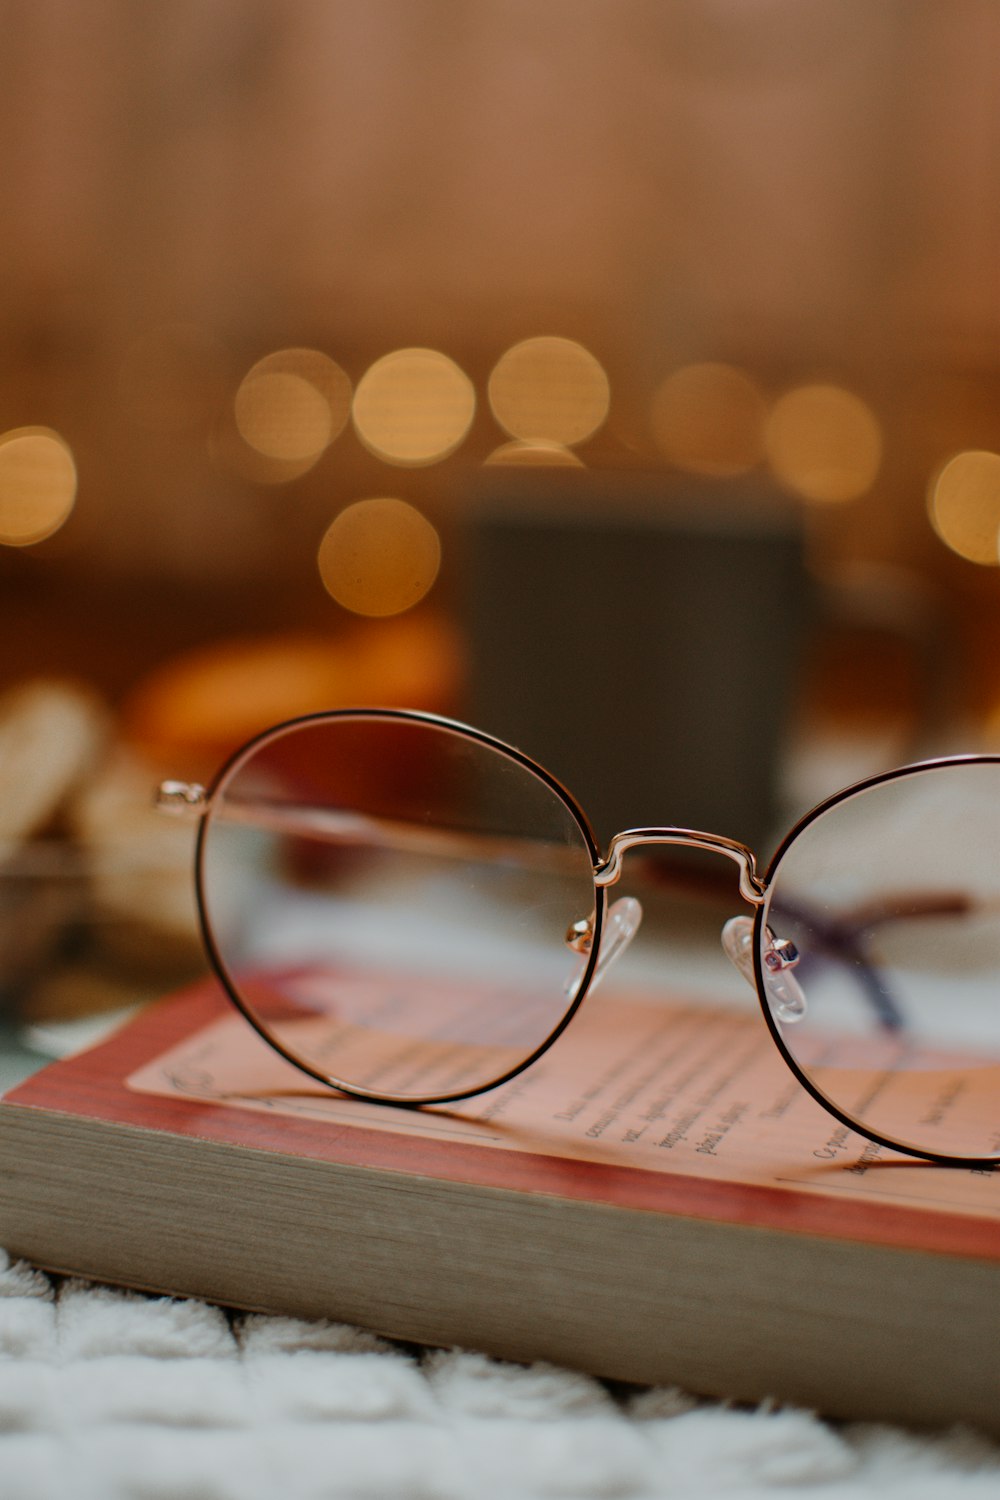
(411, 911)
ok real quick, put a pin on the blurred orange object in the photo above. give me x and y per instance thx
(195, 709)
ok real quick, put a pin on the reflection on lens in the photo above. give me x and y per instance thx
(389, 900)
(891, 901)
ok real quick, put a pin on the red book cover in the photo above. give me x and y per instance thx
(684, 1110)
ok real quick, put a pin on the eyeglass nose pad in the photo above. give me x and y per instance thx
(620, 927)
(780, 956)
(737, 944)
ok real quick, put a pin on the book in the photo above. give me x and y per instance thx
(655, 1201)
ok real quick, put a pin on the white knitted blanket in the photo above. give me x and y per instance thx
(108, 1395)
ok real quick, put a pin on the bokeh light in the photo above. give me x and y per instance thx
(824, 443)
(292, 404)
(549, 390)
(413, 407)
(379, 557)
(964, 505)
(709, 419)
(537, 455)
(37, 485)
(282, 416)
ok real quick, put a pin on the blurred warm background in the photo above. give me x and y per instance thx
(311, 310)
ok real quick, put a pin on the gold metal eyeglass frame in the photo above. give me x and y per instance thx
(747, 942)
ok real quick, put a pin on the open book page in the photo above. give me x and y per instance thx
(685, 1088)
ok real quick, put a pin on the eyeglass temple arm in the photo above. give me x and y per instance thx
(844, 936)
(842, 939)
(187, 798)
(840, 936)
(333, 826)
(337, 826)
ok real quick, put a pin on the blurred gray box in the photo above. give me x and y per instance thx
(642, 638)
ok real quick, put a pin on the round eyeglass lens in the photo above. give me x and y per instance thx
(388, 901)
(879, 954)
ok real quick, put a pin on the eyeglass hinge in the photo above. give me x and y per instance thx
(181, 799)
(580, 935)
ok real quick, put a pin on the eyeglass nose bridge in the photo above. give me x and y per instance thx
(752, 888)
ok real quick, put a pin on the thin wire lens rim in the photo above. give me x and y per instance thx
(436, 722)
(245, 753)
(856, 789)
